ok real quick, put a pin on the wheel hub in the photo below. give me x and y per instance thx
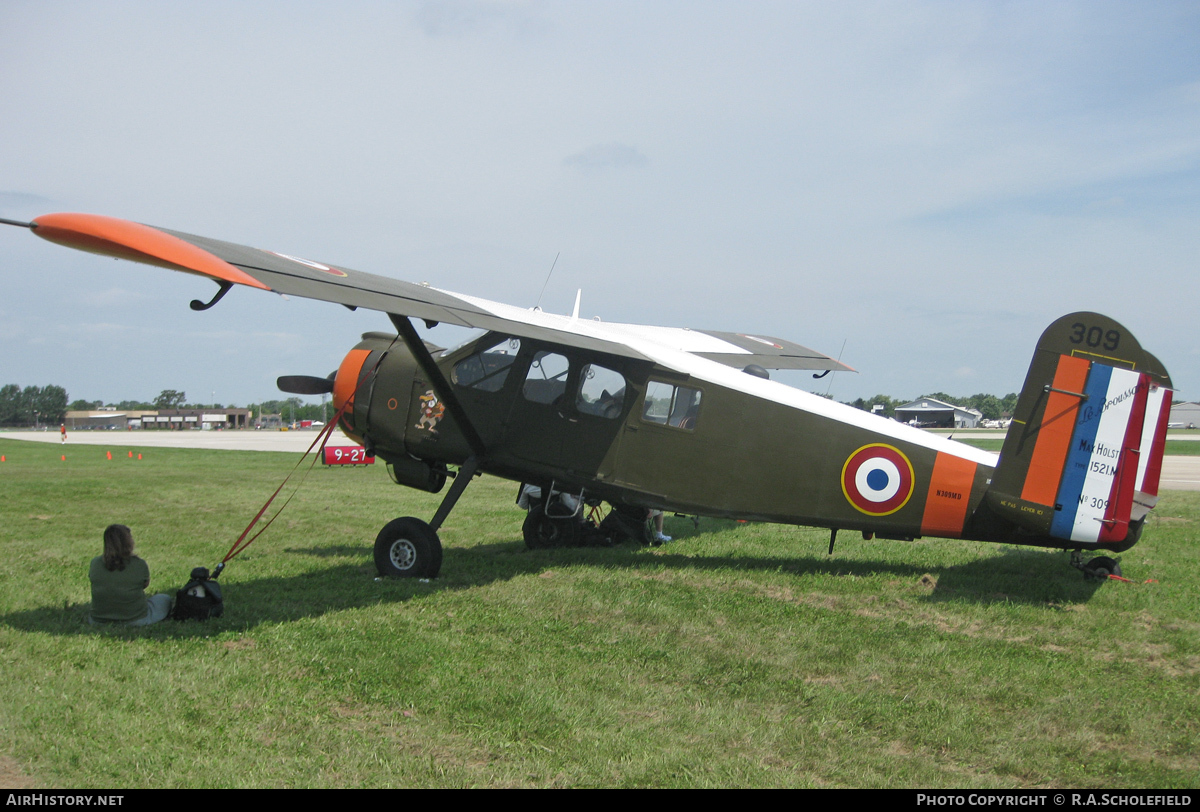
(403, 554)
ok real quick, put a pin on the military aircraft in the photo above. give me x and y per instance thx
(689, 420)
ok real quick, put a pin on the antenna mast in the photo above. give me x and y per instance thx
(538, 306)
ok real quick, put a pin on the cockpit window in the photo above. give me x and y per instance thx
(547, 378)
(487, 369)
(671, 405)
(601, 392)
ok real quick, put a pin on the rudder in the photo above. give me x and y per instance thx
(1081, 462)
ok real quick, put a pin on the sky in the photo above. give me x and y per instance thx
(918, 187)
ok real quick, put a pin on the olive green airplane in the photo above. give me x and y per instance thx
(658, 418)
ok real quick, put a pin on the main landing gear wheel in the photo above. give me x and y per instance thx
(1100, 567)
(542, 533)
(408, 548)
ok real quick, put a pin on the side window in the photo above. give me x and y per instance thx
(670, 405)
(488, 369)
(547, 378)
(601, 392)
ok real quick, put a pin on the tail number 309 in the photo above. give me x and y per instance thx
(1094, 336)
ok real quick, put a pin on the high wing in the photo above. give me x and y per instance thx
(229, 264)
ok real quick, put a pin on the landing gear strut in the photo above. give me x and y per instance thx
(410, 548)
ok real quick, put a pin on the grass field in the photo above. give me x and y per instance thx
(740, 655)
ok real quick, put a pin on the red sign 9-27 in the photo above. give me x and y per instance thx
(347, 455)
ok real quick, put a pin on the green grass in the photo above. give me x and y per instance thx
(740, 655)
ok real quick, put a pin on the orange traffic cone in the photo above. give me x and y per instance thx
(1, 458)
(108, 454)
(130, 455)
(64, 457)
(139, 456)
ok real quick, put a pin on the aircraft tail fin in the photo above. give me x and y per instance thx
(1082, 458)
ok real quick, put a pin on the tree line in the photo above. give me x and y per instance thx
(33, 405)
(291, 408)
(167, 399)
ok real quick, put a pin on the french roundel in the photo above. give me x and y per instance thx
(877, 479)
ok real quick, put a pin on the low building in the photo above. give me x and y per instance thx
(933, 413)
(97, 419)
(180, 419)
(1184, 416)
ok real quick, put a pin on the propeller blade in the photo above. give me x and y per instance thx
(305, 384)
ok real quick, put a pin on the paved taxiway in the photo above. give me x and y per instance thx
(1180, 473)
(245, 440)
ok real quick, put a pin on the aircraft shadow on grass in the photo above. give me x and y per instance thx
(1014, 576)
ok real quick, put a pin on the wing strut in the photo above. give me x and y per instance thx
(440, 385)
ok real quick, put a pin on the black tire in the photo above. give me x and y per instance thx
(1101, 567)
(408, 548)
(543, 533)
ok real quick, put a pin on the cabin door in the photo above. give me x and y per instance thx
(567, 415)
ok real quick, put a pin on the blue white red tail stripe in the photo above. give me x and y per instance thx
(1153, 440)
(1089, 483)
(1115, 526)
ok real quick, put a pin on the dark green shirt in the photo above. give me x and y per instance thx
(119, 596)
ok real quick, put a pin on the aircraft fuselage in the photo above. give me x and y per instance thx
(635, 433)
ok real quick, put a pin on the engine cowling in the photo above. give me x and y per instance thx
(374, 383)
(347, 387)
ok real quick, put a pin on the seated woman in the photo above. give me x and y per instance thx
(119, 579)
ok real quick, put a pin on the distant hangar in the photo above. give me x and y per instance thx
(934, 413)
(159, 419)
(1184, 416)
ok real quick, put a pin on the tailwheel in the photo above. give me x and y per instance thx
(1095, 569)
(1100, 567)
(408, 548)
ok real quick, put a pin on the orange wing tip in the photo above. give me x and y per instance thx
(124, 239)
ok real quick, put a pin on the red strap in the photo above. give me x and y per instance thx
(1128, 581)
(322, 438)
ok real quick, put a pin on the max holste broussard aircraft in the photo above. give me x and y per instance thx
(688, 420)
